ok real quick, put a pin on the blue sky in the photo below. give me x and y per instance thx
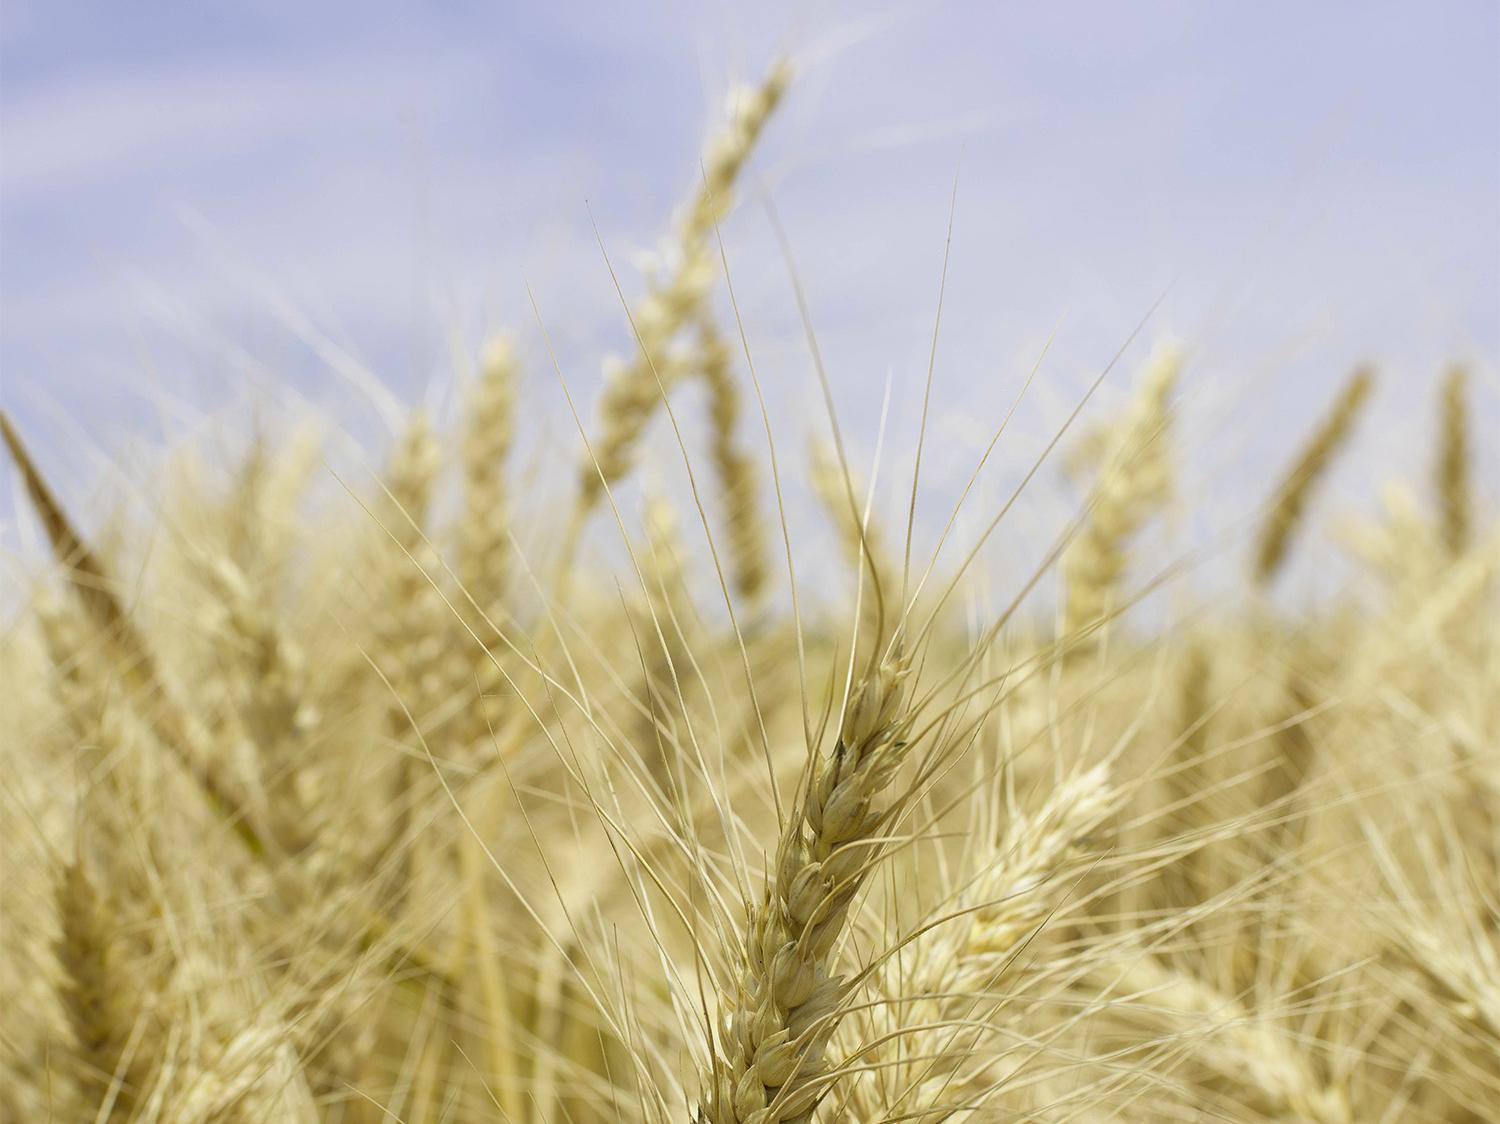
(185, 188)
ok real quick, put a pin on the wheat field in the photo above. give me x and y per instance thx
(411, 813)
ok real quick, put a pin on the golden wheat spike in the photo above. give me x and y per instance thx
(635, 389)
(84, 571)
(96, 995)
(745, 533)
(1311, 465)
(1454, 488)
(1135, 481)
(88, 577)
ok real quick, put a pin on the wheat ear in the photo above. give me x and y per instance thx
(1134, 481)
(635, 389)
(94, 994)
(411, 647)
(1020, 886)
(91, 582)
(944, 993)
(483, 548)
(746, 540)
(1310, 466)
(1454, 488)
(771, 1066)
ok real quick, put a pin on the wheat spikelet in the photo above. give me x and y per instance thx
(945, 996)
(1291, 496)
(483, 548)
(1134, 481)
(91, 582)
(770, 1062)
(1454, 487)
(96, 997)
(738, 483)
(634, 390)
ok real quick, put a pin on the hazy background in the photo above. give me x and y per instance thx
(189, 192)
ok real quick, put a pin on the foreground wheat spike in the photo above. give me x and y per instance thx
(1454, 488)
(770, 1064)
(1291, 496)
